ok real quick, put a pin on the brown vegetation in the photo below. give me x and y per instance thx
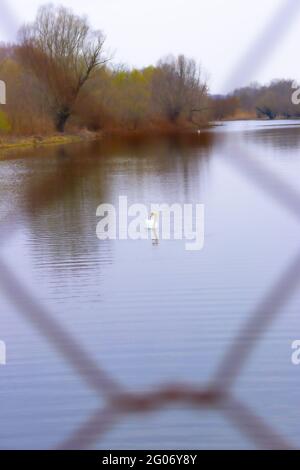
(59, 78)
(255, 101)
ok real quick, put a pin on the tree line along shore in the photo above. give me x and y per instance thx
(62, 85)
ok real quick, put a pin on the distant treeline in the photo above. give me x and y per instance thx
(60, 76)
(270, 101)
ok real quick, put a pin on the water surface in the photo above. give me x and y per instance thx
(149, 314)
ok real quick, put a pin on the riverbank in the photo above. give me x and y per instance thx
(8, 143)
(13, 142)
(253, 117)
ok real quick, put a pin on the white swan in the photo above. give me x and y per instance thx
(152, 222)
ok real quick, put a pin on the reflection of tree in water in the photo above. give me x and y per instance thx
(61, 201)
(150, 162)
(64, 190)
(276, 137)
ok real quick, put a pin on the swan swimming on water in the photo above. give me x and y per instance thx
(152, 222)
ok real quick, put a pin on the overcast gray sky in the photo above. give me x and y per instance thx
(215, 32)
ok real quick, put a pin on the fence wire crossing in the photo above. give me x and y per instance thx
(218, 394)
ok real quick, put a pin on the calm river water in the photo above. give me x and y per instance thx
(152, 315)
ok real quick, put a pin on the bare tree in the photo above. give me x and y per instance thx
(62, 52)
(178, 88)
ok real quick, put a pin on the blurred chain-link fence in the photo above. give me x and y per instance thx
(218, 393)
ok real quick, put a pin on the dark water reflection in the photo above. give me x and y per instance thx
(149, 314)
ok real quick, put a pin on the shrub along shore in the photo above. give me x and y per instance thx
(60, 79)
(62, 86)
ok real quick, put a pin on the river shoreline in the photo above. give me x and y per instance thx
(18, 143)
(8, 143)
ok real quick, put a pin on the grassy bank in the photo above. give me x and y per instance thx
(13, 142)
(10, 142)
